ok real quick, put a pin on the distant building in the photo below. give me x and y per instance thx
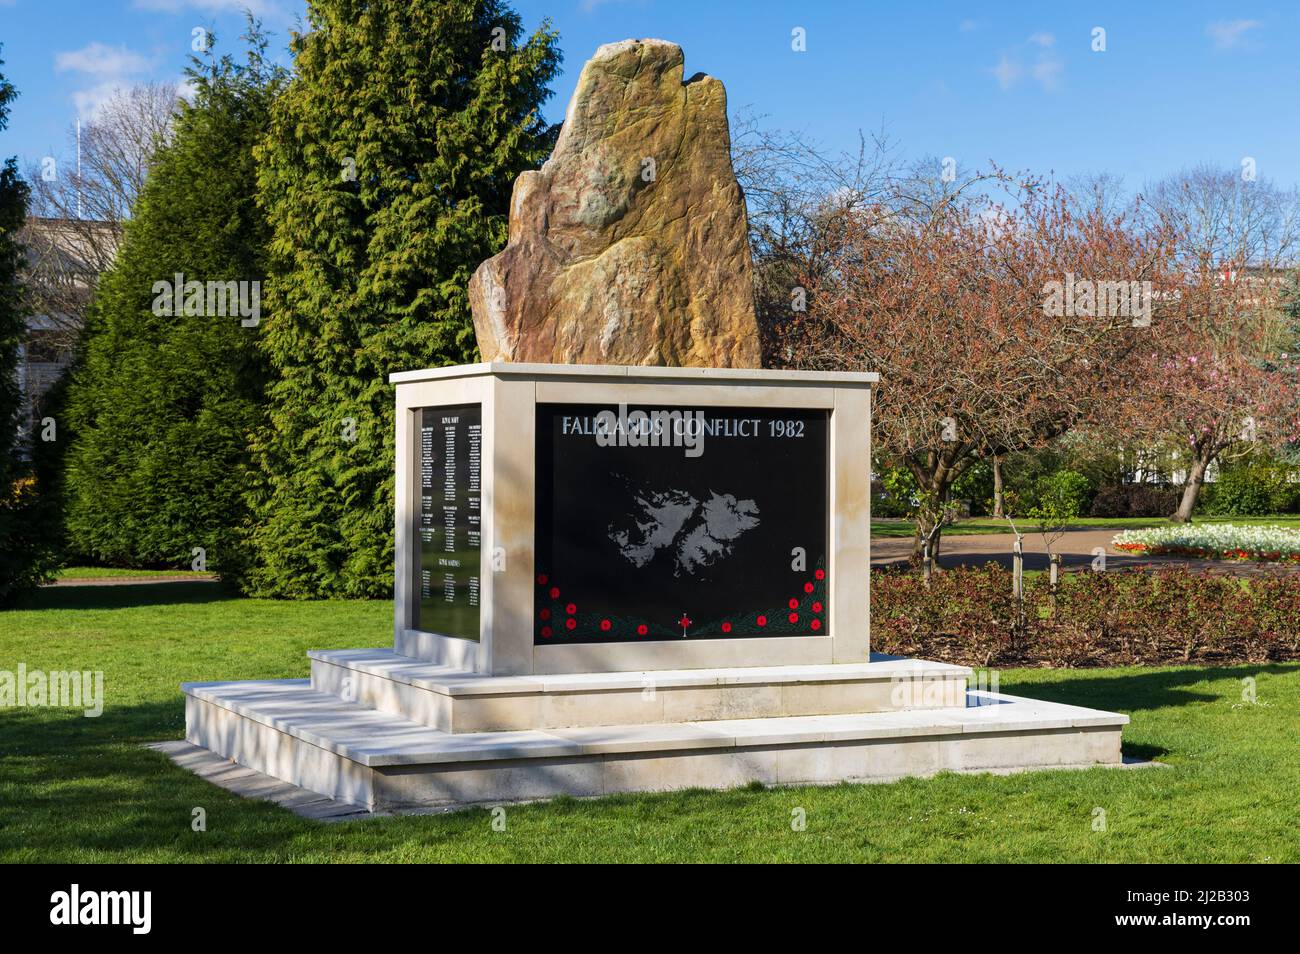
(64, 258)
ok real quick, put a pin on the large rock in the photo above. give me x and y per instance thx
(629, 246)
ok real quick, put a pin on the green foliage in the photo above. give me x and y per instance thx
(161, 405)
(896, 494)
(1257, 486)
(386, 176)
(1060, 497)
(976, 485)
(27, 548)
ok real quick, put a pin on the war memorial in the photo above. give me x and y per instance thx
(626, 557)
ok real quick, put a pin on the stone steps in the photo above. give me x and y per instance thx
(455, 700)
(347, 751)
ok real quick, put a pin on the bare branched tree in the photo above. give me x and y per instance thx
(78, 208)
(795, 193)
(1224, 217)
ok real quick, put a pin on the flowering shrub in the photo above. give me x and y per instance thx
(1222, 541)
(1119, 617)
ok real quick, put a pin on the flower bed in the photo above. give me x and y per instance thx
(1219, 541)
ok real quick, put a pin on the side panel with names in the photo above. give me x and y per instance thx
(451, 443)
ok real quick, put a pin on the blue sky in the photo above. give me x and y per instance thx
(1016, 83)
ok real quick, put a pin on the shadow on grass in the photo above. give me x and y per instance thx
(1147, 753)
(124, 597)
(88, 786)
(1137, 690)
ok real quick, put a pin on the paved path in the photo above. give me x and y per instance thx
(1075, 546)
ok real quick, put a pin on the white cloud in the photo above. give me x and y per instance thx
(1230, 34)
(97, 59)
(1048, 74)
(1046, 70)
(1007, 72)
(591, 6)
(90, 101)
(110, 68)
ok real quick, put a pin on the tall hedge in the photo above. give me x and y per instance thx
(161, 405)
(386, 176)
(28, 526)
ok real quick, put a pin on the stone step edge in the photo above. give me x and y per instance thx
(456, 682)
(445, 747)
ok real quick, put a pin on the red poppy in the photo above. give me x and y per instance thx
(546, 632)
(794, 604)
(545, 614)
(820, 574)
(726, 627)
(541, 579)
(762, 621)
(817, 607)
(807, 587)
(604, 625)
(555, 592)
(571, 623)
(816, 624)
(793, 617)
(642, 629)
(571, 609)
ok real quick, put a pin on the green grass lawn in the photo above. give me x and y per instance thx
(978, 525)
(114, 572)
(74, 789)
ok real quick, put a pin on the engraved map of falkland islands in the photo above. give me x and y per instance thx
(722, 536)
(696, 534)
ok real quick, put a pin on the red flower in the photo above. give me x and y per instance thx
(762, 621)
(642, 629)
(541, 579)
(571, 623)
(604, 625)
(545, 614)
(546, 632)
(820, 574)
(571, 609)
(555, 592)
(793, 617)
(816, 624)
(817, 607)
(794, 604)
(726, 627)
(807, 587)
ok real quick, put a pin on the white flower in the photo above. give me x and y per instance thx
(1214, 539)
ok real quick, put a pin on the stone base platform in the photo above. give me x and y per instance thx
(346, 750)
(454, 700)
